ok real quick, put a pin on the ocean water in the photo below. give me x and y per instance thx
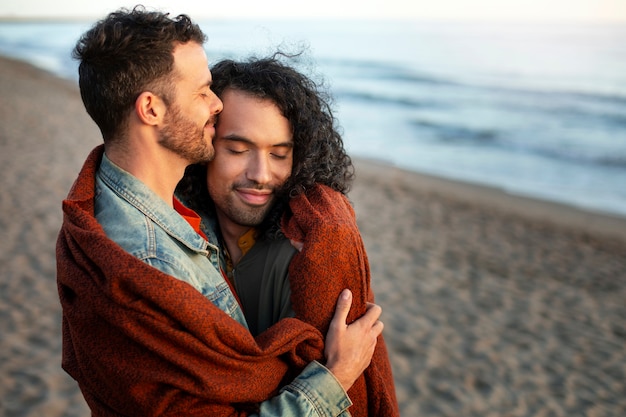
(534, 109)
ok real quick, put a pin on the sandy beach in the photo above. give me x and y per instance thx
(494, 305)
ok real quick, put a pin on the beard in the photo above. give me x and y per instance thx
(245, 215)
(183, 137)
(237, 211)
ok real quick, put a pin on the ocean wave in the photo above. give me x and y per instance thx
(382, 99)
(589, 157)
(600, 110)
(376, 70)
(475, 137)
(405, 74)
(450, 133)
(504, 111)
(565, 99)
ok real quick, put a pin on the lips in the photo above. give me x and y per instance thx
(210, 124)
(210, 128)
(254, 197)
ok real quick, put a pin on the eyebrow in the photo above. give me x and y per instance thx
(237, 138)
(208, 82)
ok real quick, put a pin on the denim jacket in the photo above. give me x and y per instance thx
(144, 225)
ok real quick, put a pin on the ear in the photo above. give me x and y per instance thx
(150, 109)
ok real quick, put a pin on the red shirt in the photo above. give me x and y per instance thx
(191, 216)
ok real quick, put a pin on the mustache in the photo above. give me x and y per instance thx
(212, 120)
(255, 186)
(279, 191)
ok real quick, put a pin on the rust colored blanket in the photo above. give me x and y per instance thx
(142, 343)
(334, 258)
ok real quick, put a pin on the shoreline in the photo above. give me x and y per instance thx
(534, 208)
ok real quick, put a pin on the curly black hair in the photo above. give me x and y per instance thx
(319, 156)
(124, 54)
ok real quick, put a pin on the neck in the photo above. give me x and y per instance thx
(158, 168)
(231, 233)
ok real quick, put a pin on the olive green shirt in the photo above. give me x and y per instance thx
(263, 274)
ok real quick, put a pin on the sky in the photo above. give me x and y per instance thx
(500, 10)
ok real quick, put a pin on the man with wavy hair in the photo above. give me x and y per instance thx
(281, 173)
(150, 325)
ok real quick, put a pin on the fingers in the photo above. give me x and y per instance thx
(378, 328)
(349, 348)
(370, 320)
(343, 308)
(372, 314)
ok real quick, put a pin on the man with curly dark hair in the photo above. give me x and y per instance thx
(150, 325)
(317, 156)
(277, 148)
(276, 138)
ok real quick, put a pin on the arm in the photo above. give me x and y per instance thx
(319, 390)
(333, 257)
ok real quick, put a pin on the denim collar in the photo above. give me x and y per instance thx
(136, 193)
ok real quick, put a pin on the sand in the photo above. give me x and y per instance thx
(494, 305)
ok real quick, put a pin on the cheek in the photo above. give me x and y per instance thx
(214, 175)
(210, 184)
(283, 172)
(222, 172)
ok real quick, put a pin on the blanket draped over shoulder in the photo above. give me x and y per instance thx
(140, 342)
(334, 258)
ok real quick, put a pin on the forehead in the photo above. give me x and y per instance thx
(191, 63)
(253, 118)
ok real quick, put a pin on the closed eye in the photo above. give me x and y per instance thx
(279, 156)
(282, 150)
(236, 151)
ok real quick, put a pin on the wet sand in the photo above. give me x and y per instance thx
(494, 305)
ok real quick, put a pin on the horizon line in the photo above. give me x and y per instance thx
(92, 18)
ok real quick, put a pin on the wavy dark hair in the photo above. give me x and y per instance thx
(125, 54)
(318, 154)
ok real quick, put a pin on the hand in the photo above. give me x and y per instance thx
(349, 348)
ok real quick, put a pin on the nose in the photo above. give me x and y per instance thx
(216, 104)
(259, 170)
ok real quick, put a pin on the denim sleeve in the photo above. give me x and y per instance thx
(314, 393)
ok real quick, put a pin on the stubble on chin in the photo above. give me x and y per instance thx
(186, 139)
